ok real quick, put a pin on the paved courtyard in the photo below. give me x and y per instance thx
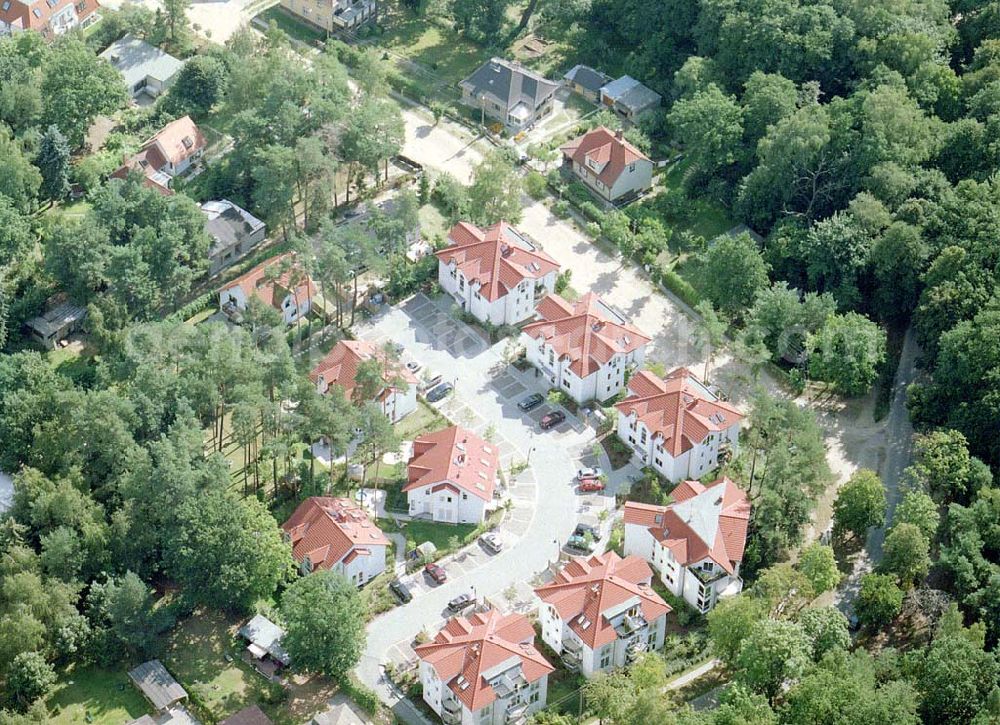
(546, 506)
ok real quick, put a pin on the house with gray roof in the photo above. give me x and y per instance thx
(235, 233)
(60, 321)
(147, 70)
(629, 98)
(509, 93)
(158, 686)
(586, 81)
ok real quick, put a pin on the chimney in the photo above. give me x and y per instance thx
(620, 134)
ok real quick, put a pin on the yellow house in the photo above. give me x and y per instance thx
(333, 16)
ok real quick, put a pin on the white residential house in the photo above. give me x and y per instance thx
(335, 534)
(496, 274)
(452, 476)
(600, 613)
(51, 18)
(584, 348)
(677, 426)
(171, 152)
(278, 282)
(146, 70)
(340, 367)
(611, 167)
(696, 543)
(484, 670)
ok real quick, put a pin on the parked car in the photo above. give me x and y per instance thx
(461, 603)
(492, 542)
(531, 402)
(431, 382)
(590, 472)
(591, 485)
(413, 366)
(584, 529)
(400, 590)
(551, 420)
(436, 572)
(580, 543)
(438, 393)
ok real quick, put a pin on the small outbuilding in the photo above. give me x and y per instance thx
(55, 325)
(252, 715)
(629, 98)
(264, 650)
(158, 686)
(586, 81)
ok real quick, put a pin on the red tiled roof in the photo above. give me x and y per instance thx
(701, 523)
(256, 282)
(466, 648)
(677, 409)
(340, 366)
(494, 257)
(604, 147)
(329, 530)
(587, 587)
(454, 456)
(36, 15)
(174, 143)
(584, 332)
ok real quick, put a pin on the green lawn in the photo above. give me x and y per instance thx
(294, 28)
(74, 210)
(95, 696)
(417, 532)
(433, 224)
(424, 419)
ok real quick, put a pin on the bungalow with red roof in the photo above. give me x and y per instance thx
(484, 669)
(50, 18)
(278, 282)
(451, 476)
(696, 543)
(334, 533)
(584, 348)
(600, 613)
(677, 426)
(609, 165)
(496, 274)
(169, 153)
(398, 398)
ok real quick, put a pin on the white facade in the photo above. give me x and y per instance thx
(360, 569)
(449, 504)
(605, 382)
(701, 584)
(648, 449)
(290, 309)
(577, 656)
(396, 404)
(512, 708)
(634, 178)
(516, 306)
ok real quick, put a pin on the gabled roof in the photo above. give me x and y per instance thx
(37, 14)
(228, 224)
(177, 141)
(631, 93)
(273, 290)
(604, 147)
(587, 331)
(340, 367)
(586, 77)
(680, 410)
(469, 653)
(454, 456)
(589, 590)
(265, 636)
(510, 83)
(329, 530)
(499, 257)
(158, 685)
(701, 523)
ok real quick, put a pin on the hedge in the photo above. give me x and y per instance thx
(679, 286)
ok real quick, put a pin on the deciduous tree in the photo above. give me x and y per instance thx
(325, 623)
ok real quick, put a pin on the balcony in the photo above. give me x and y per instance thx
(572, 655)
(517, 713)
(634, 648)
(451, 711)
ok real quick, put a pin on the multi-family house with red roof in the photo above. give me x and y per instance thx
(50, 18)
(610, 166)
(398, 397)
(335, 534)
(452, 476)
(484, 670)
(696, 543)
(279, 283)
(496, 274)
(600, 612)
(677, 426)
(584, 348)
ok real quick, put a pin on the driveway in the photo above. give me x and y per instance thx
(546, 506)
(442, 146)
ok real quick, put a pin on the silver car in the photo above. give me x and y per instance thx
(492, 542)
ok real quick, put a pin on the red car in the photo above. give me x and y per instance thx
(436, 572)
(591, 485)
(551, 420)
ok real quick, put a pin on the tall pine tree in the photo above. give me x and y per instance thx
(53, 163)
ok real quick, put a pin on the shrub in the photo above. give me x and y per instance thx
(561, 208)
(535, 185)
(679, 286)
(593, 229)
(590, 210)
